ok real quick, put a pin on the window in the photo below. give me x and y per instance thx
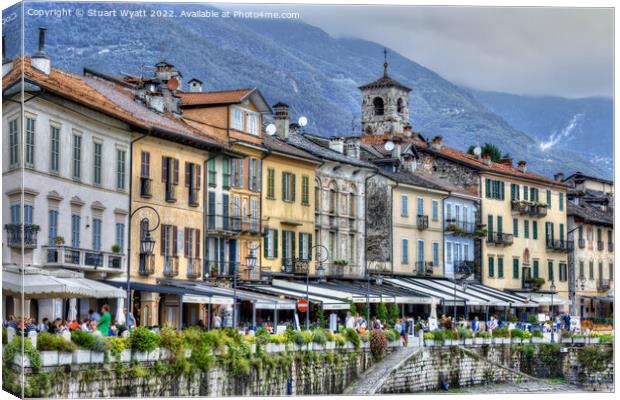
(252, 171)
(582, 273)
(562, 232)
(550, 271)
(515, 227)
(563, 272)
(13, 143)
(145, 164)
(97, 148)
(526, 192)
(561, 201)
(435, 210)
(120, 169)
(534, 194)
(377, 103)
(448, 252)
(237, 119)
(589, 233)
(548, 231)
(534, 230)
(420, 206)
(211, 210)
(405, 251)
(591, 271)
(500, 267)
(54, 149)
(611, 271)
(404, 209)
(253, 125)
(305, 190)
(75, 230)
(288, 247)
(271, 244)
(305, 243)
(491, 266)
(77, 156)
(535, 268)
(212, 177)
(526, 229)
(96, 234)
(515, 268)
(30, 142)
(420, 250)
(288, 186)
(435, 253)
(500, 225)
(271, 183)
(226, 163)
(352, 203)
(494, 189)
(599, 235)
(237, 172)
(53, 227)
(514, 191)
(549, 198)
(610, 236)
(15, 214)
(490, 228)
(120, 235)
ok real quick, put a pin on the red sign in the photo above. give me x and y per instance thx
(302, 305)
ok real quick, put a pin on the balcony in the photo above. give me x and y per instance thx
(194, 268)
(171, 266)
(171, 193)
(147, 265)
(603, 285)
(295, 266)
(84, 259)
(14, 235)
(504, 239)
(459, 227)
(250, 226)
(463, 267)
(223, 225)
(146, 189)
(423, 268)
(194, 199)
(600, 246)
(422, 222)
(528, 208)
(581, 243)
(221, 269)
(610, 247)
(559, 245)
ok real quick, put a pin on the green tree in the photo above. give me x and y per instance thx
(382, 312)
(489, 149)
(364, 311)
(353, 308)
(320, 315)
(394, 314)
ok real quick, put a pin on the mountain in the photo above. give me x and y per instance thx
(290, 61)
(556, 122)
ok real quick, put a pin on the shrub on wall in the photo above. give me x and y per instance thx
(48, 342)
(143, 340)
(353, 337)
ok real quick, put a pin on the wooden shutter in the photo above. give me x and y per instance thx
(310, 246)
(251, 173)
(503, 191)
(487, 187)
(293, 188)
(164, 169)
(186, 239)
(241, 180)
(260, 176)
(162, 241)
(284, 236)
(284, 186)
(175, 237)
(301, 244)
(292, 244)
(176, 171)
(275, 243)
(188, 175)
(197, 239)
(198, 174)
(265, 242)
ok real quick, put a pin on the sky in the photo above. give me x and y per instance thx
(564, 52)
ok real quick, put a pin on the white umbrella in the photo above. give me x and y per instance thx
(120, 310)
(72, 309)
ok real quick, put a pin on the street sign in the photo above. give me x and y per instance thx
(302, 305)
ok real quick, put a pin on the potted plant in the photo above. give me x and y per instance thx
(578, 338)
(429, 339)
(144, 343)
(54, 349)
(566, 337)
(466, 336)
(516, 336)
(100, 347)
(59, 241)
(594, 338)
(501, 336)
(85, 341)
(120, 348)
(116, 248)
(213, 269)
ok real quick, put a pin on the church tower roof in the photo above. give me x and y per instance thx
(385, 81)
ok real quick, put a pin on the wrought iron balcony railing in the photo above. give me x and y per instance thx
(194, 268)
(194, 199)
(581, 243)
(459, 226)
(146, 264)
(600, 245)
(295, 266)
(171, 193)
(528, 208)
(77, 258)
(610, 247)
(559, 245)
(603, 285)
(498, 238)
(422, 222)
(171, 265)
(14, 235)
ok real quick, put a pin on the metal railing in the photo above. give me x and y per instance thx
(221, 269)
(14, 235)
(464, 267)
(600, 245)
(559, 245)
(603, 285)
(146, 187)
(171, 193)
(171, 265)
(422, 222)
(295, 266)
(194, 267)
(194, 197)
(73, 257)
(146, 264)
(424, 268)
(500, 238)
(528, 208)
(610, 247)
(581, 243)
(225, 224)
(459, 226)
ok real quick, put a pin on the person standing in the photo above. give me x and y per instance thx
(44, 326)
(349, 321)
(475, 325)
(103, 324)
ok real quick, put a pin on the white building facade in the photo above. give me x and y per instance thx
(459, 234)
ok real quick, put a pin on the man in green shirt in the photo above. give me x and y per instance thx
(103, 325)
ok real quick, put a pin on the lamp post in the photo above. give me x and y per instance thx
(320, 273)
(250, 262)
(147, 244)
(552, 288)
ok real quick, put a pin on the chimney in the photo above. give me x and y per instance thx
(522, 166)
(506, 161)
(281, 119)
(559, 177)
(39, 59)
(396, 150)
(486, 158)
(195, 85)
(352, 148)
(7, 64)
(408, 131)
(436, 144)
(336, 144)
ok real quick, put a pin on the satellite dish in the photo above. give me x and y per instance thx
(271, 129)
(302, 121)
(389, 145)
(477, 151)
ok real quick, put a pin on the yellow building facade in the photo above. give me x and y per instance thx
(526, 245)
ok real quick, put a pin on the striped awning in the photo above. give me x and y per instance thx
(326, 302)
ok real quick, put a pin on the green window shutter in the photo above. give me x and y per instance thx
(301, 245)
(503, 196)
(525, 193)
(284, 187)
(491, 267)
(275, 243)
(535, 268)
(526, 229)
(550, 271)
(500, 225)
(293, 189)
(561, 231)
(512, 192)
(487, 187)
(515, 227)
(265, 253)
(515, 268)
(490, 228)
(310, 246)
(535, 230)
(292, 244)
(270, 183)
(500, 267)
(549, 198)
(561, 201)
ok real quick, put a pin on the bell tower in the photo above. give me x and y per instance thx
(385, 104)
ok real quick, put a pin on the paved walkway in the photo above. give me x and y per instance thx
(532, 386)
(372, 379)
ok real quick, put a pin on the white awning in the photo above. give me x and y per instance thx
(44, 285)
(195, 299)
(544, 299)
(338, 294)
(327, 303)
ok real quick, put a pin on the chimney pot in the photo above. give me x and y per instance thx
(559, 177)
(437, 143)
(506, 161)
(486, 158)
(195, 85)
(39, 59)
(522, 166)
(337, 144)
(281, 119)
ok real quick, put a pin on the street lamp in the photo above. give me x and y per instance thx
(147, 244)
(552, 288)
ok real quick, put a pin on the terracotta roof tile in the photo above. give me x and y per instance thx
(221, 97)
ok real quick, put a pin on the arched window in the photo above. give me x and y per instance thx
(378, 105)
(399, 106)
